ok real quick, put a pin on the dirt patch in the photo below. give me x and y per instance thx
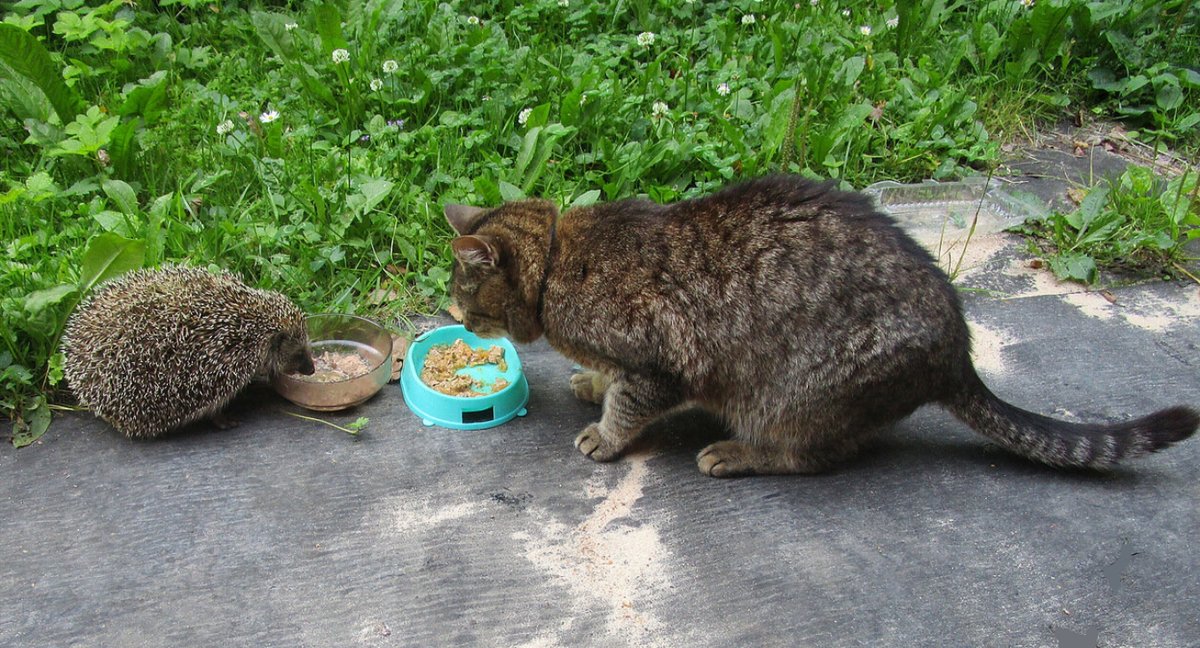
(1092, 304)
(1152, 312)
(408, 516)
(613, 558)
(1041, 280)
(987, 349)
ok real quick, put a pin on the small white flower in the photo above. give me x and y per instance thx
(893, 22)
(269, 116)
(723, 89)
(865, 30)
(225, 127)
(846, 12)
(659, 109)
(814, 2)
(376, 85)
(341, 56)
(523, 116)
(1027, 3)
(645, 39)
(564, 3)
(748, 19)
(472, 20)
(290, 26)
(582, 99)
(390, 66)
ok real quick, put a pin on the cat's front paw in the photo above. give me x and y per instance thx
(594, 446)
(589, 386)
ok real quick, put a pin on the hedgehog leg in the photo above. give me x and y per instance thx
(223, 422)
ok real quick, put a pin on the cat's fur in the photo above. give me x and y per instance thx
(793, 311)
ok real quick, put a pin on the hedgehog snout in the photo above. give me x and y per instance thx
(305, 365)
(290, 354)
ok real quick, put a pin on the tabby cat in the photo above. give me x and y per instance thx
(794, 311)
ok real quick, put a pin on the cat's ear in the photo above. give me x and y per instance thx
(476, 250)
(461, 217)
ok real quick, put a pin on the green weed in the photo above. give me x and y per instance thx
(1135, 224)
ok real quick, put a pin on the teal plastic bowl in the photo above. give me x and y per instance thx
(460, 412)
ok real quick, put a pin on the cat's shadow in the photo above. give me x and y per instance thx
(897, 450)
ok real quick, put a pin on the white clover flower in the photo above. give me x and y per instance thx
(893, 22)
(748, 19)
(341, 56)
(645, 39)
(269, 116)
(376, 85)
(225, 127)
(390, 66)
(865, 30)
(472, 20)
(523, 116)
(290, 26)
(723, 89)
(659, 109)
(1027, 3)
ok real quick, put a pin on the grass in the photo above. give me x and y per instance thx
(310, 146)
(1133, 223)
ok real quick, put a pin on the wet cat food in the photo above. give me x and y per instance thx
(336, 366)
(443, 361)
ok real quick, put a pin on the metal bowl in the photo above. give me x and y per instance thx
(341, 333)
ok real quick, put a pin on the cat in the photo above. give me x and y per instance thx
(795, 312)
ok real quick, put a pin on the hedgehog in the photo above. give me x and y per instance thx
(154, 350)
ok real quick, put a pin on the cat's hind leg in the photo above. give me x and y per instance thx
(590, 386)
(775, 454)
(630, 404)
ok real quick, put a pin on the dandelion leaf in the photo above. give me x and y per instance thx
(23, 54)
(329, 27)
(272, 29)
(31, 424)
(109, 255)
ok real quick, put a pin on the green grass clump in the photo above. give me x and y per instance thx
(310, 146)
(1134, 224)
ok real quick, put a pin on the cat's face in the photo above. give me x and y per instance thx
(487, 283)
(479, 286)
